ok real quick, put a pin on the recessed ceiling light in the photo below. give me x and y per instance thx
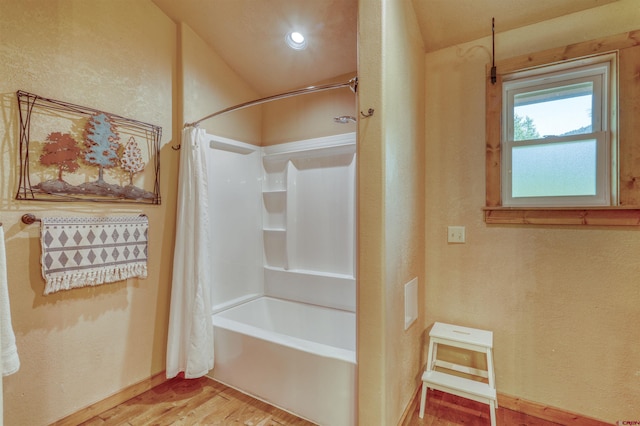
(295, 40)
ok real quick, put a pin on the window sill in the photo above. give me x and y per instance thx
(589, 216)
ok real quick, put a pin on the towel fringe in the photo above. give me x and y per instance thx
(66, 281)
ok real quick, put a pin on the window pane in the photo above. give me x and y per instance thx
(555, 169)
(559, 111)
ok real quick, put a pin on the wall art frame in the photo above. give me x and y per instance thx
(72, 153)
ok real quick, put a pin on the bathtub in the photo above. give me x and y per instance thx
(296, 356)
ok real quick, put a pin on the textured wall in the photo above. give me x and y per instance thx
(209, 85)
(391, 210)
(370, 222)
(80, 346)
(309, 116)
(562, 301)
(404, 147)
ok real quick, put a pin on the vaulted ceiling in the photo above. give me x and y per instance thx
(250, 34)
(449, 22)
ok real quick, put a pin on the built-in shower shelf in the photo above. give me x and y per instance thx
(319, 147)
(275, 206)
(275, 177)
(316, 287)
(309, 272)
(276, 188)
(308, 211)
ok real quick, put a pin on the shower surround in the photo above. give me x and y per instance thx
(283, 273)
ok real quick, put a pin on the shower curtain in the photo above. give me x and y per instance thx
(190, 338)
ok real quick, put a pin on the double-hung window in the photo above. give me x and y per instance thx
(557, 145)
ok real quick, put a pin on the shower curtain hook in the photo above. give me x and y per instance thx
(368, 114)
(177, 147)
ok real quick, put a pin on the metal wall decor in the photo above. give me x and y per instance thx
(74, 153)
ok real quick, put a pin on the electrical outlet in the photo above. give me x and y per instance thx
(455, 234)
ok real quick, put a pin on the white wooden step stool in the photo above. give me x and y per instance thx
(466, 338)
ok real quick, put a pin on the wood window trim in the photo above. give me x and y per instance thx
(627, 212)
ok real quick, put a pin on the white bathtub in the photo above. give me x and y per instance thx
(296, 356)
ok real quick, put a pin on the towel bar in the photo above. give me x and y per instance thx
(29, 218)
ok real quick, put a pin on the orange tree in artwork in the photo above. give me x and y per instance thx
(101, 140)
(61, 150)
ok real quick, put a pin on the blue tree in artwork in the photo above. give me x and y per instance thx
(101, 140)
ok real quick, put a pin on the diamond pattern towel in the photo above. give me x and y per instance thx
(78, 252)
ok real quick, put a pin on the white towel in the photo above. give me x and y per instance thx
(9, 360)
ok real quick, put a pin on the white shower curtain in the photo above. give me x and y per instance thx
(190, 339)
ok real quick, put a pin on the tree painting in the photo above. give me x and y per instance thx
(60, 150)
(73, 146)
(131, 159)
(101, 140)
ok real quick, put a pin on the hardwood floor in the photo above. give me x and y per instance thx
(206, 402)
(443, 409)
(194, 402)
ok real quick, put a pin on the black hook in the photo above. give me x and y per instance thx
(494, 77)
(368, 114)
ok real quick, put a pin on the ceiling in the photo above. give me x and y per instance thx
(250, 34)
(446, 23)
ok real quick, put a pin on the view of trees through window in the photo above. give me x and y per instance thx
(553, 167)
(524, 128)
(562, 117)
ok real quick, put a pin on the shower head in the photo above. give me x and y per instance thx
(344, 119)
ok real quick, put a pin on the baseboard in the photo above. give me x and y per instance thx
(541, 411)
(125, 394)
(405, 420)
(546, 412)
(509, 402)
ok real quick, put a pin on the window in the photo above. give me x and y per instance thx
(573, 71)
(556, 140)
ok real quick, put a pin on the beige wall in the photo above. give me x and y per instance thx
(309, 116)
(209, 85)
(126, 57)
(391, 209)
(563, 302)
(80, 346)
(560, 300)
(370, 222)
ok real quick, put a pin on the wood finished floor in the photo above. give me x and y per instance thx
(444, 409)
(207, 402)
(194, 402)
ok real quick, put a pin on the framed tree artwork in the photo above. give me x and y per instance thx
(74, 153)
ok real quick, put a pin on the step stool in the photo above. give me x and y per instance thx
(466, 338)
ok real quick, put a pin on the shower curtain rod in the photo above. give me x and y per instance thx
(352, 84)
